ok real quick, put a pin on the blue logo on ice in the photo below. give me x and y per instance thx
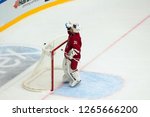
(1, 1)
(14, 60)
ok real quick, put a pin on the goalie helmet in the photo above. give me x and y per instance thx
(75, 26)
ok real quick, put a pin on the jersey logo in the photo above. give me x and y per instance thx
(75, 42)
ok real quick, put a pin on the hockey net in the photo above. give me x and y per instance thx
(48, 71)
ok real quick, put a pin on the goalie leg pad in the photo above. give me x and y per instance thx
(71, 75)
(66, 65)
(66, 76)
(75, 79)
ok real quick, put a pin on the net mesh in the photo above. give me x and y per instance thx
(41, 78)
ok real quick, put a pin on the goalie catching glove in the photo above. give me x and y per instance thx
(68, 25)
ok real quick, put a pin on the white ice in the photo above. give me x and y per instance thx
(103, 22)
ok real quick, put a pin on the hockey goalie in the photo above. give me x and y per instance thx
(72, 55)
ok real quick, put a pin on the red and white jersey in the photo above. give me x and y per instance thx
(74, 42)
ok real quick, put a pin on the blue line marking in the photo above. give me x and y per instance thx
(93, 86)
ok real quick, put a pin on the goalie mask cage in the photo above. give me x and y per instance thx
(48, 69)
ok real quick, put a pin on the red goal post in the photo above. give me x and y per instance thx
(52, 64)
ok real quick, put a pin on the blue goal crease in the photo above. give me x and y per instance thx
(93, 86)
